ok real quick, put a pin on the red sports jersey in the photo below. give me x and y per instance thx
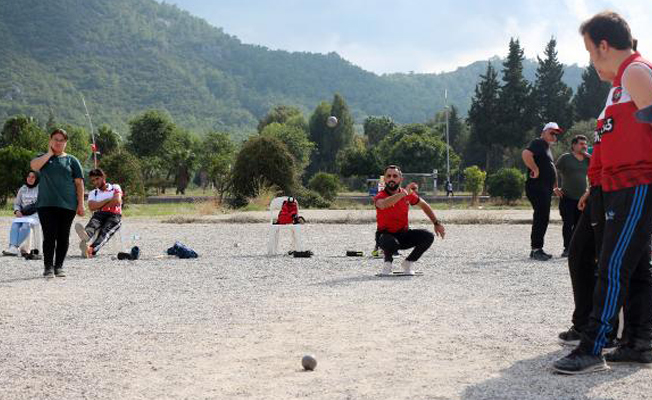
(595, 164)
(395, 218)
(626, 152)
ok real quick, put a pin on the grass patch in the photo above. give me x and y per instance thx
(7, 210)
(170, 209)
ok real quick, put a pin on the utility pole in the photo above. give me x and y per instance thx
(448, 160)
(93, 146)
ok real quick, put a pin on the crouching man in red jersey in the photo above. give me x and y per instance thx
(392, 206)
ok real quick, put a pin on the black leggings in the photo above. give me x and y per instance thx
(56, 224)
(420, 239)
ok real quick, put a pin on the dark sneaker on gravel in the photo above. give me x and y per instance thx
(579, 362)
(540, 255)
(48, 273)
(629, 355)
(59, 273)
(571, 337)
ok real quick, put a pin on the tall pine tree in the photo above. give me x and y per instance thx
(456, 131)
(329, 141)
(552, 97)
(343, 131)
(591, 95)
(515, 104)
(483, 119)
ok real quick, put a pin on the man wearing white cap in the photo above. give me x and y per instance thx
(539, 185)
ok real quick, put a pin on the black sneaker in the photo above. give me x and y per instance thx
(629, 355)
(578, 362)
(540, 255)
(32, 256)
(564, 253)
(48, 273)
(59, 273)
(571, 337)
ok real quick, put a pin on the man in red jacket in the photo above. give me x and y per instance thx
(392, 206)
(624, 269)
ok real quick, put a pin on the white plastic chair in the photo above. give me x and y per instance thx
(274, 229)
(35, 239)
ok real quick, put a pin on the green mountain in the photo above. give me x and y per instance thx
(127, 56)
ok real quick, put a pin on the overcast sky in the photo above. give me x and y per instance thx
(387, 36)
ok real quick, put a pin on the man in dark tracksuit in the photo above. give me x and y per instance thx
(624, 270)
(538, 187)
(584, 249)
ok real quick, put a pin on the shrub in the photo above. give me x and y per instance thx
(263, 161)
(507, 184)
(474, 181)
(325, 184)
(310, 199)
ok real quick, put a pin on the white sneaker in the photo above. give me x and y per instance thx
(81, 232)
(11, 251)
(407, 267)
(387, 269)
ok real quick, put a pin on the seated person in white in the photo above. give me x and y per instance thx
(106, 203)
(25, 212)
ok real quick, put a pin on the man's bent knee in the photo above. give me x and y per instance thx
(387, 241)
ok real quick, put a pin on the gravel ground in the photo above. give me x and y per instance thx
(480, 324)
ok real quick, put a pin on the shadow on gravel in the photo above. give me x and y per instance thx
(534, 379)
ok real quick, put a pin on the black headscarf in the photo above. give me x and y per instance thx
(35, 180)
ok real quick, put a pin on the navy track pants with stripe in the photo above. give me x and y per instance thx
(624, 270)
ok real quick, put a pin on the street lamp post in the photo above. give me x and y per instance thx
(448, 161)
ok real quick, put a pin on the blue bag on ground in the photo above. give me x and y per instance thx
(182, 251)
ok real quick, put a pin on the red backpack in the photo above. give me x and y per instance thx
(289, 212)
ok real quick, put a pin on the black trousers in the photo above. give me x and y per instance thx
(584, 249)
(105, 224)
(55, 223)
(420, 239)
(624, 270)
(540, 198)
(570, 216)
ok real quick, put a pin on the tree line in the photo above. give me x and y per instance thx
(309, 159)
(505, 114)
